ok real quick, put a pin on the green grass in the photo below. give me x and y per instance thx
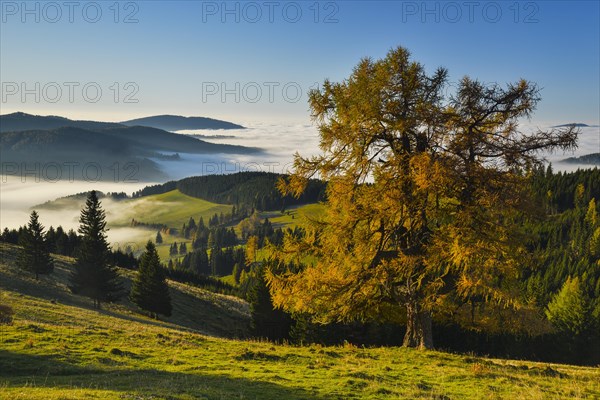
(221, 315)
(164, 248)
(60, 348)
(228, 279)
(293, 216)
(172, 209)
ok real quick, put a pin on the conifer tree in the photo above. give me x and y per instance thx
(159, 238)
(150, 290)
(267, 321)
(34, 255)
(174, 249)
(93, 276)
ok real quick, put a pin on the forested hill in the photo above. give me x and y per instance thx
(590, 159)
(559, 190)
(20, 121)
(178, 123)
(120, 145)
(252, 189)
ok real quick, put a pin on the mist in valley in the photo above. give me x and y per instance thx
(19, 194)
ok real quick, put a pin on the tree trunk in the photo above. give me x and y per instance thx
(418, 328)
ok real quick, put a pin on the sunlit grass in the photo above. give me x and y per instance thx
(60, 348)
(172, 209)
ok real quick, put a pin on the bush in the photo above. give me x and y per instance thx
(6, 314)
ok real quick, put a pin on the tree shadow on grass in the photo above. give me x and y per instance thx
(18, 370)
(190, 314)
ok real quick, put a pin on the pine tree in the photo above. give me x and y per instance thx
(93, 276)
(183, 248)
(267, 321)
(237, 271)
(159, 238)
(34, 255)
(150, 290)
(174, 250)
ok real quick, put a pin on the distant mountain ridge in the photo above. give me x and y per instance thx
(20, 121)
(60, 140)
(575, 124)
(589, 159)
(179, 123)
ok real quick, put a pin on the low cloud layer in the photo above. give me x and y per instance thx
(280, 142)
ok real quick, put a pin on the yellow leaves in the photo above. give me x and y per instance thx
(429, 174)
(251, 250)
(591, 215)
(595, 243)
(421, 197)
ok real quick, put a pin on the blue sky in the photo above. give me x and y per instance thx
(225, 60)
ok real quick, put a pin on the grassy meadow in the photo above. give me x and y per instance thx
(172, 209)
(58, 347)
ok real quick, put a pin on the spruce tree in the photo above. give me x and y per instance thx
(159, 238)
(150, 290)
(267, 321)
(174, 249)
(34, 255)
(93, 276)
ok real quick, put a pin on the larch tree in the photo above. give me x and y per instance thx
(34, 255)
(424, 192)
(93, 275)
(569, 310)
(150, 290)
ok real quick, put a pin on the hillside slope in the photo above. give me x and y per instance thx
(63, 349)
(252, 189)
(194, 309)
(172, 209)
(136, 149)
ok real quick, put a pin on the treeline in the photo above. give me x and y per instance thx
(57, 241)
(256, 190)
(217, 251)
(566, 243)
(216, 262)
(557, 190)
